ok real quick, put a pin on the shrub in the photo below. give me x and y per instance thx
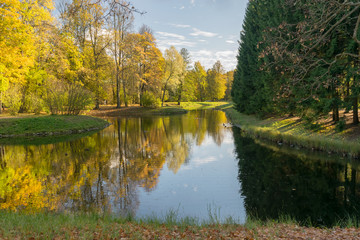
(13, 100)
(78, 99)
(150, 100)
(67, 99)
(34, 103)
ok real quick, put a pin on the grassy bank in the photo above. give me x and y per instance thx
(297, 133)
(170, 108)
(93, 226)
(201, 105)
(48, 125)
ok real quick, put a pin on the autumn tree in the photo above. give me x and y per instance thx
(173, 70)
(20, 43)
(185, 69)
(150, 65)
(216, 82)
(121, 23)
(229, 82)
(195, 83)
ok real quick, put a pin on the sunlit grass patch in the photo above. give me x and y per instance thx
(201, 105)
(293, 131)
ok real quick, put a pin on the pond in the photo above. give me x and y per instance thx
(189, 165)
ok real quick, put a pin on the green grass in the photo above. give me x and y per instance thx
(295, 132)
(166, 111)
(95, 226)
(172, 108)
(49, 125)
(201, 105)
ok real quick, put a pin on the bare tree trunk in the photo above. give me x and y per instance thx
(118, 104)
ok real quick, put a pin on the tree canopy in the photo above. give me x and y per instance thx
(299, 57)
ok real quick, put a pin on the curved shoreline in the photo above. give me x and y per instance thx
(50, 125)
(315, 142)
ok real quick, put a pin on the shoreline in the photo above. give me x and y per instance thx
(49, 125)
(99, 226)
(295, 135)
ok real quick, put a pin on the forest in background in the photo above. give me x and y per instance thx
(89, 54)
(299, 58)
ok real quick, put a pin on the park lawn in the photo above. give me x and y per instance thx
(94, 226)
(48, 125)
(321, 136)
(201, 105)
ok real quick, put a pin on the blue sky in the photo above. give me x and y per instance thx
(209, 29)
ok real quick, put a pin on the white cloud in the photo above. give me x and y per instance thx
(230, 41)
(166, 39)
(183, 7)
(171, 35)
(202, 40)
(192, 2)
(225, 54)
(180, 25)
(198, 32)
(207, 58)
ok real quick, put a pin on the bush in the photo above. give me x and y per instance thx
(13, 100)
(78, 99)
(67, 99)
(34, 103)
(150, 100)
(56, 99)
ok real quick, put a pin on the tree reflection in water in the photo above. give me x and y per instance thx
(102, 172)
(275, 185)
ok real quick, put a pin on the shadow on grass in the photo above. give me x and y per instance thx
(290, 126)
(225, 106)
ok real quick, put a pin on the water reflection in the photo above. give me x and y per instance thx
(103, 172)
(275, 184)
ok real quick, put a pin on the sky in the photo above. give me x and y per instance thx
(209, 29)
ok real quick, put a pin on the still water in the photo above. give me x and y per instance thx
(190, 165)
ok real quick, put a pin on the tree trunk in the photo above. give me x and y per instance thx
(163, 97)
(180, 93)
(1, 102)
(336, 116)
(124, 90)
(162, 100)
(347, 93)
(355, 110)
(118, 103)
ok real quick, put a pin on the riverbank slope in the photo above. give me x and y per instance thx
(324, 136)
(170, 108)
